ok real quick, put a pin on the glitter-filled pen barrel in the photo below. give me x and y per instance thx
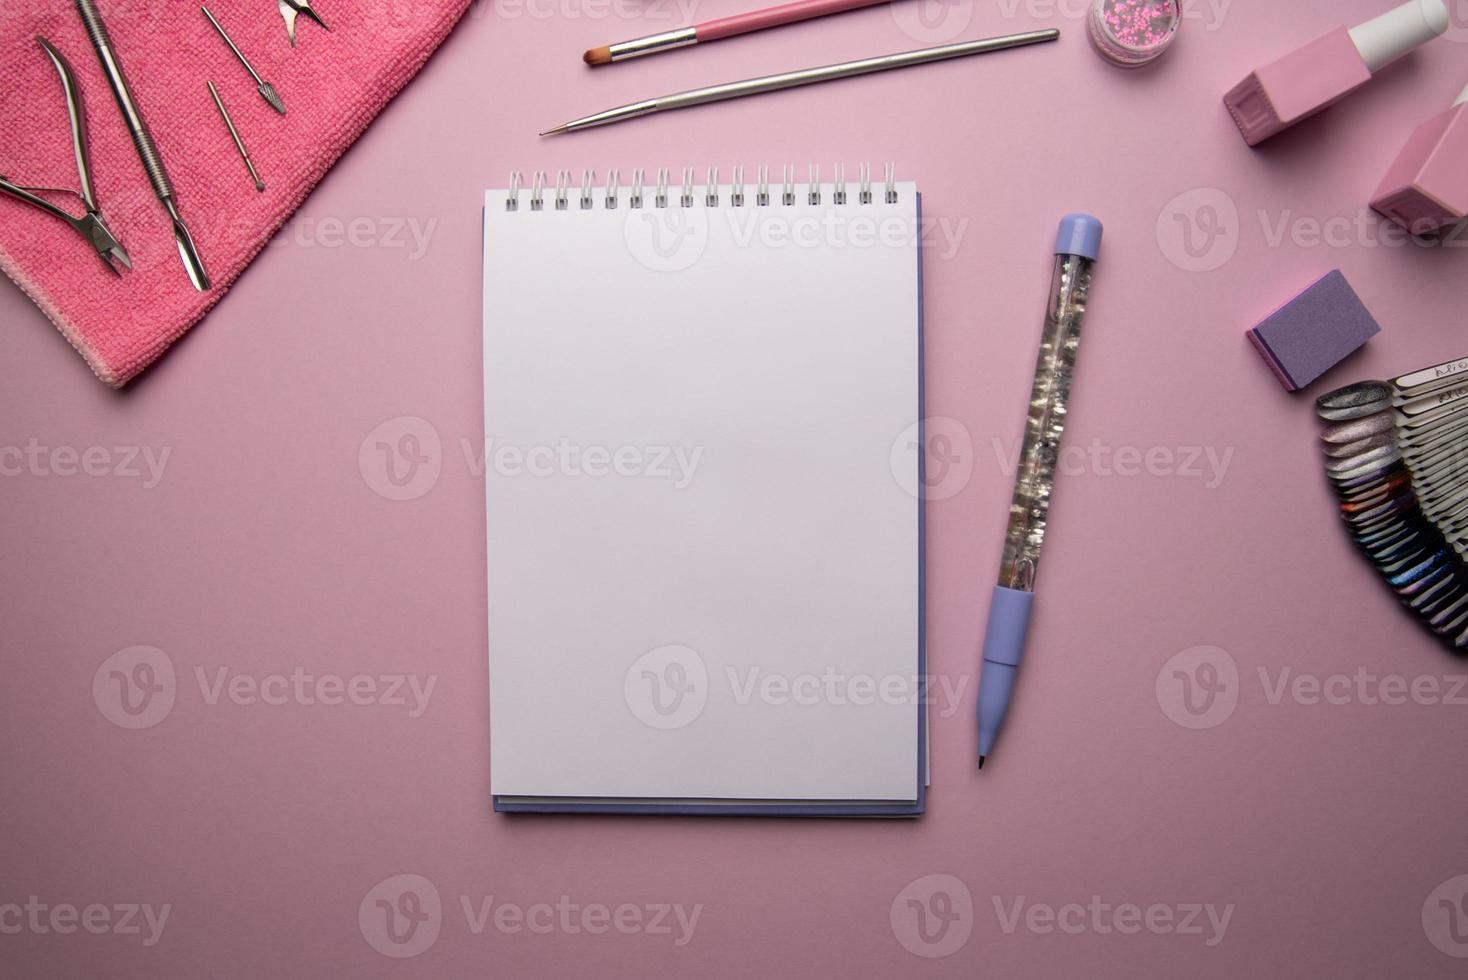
(1076, 246)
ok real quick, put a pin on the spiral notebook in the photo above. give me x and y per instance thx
(702, 463)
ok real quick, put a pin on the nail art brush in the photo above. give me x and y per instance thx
(805, 76)
(713, 30)
(266, 90)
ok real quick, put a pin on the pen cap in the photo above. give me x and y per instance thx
(1384, 39)
(1079, 234)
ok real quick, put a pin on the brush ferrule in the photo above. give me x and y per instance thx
(681, 38)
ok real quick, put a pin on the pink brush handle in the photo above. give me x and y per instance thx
(787, 13)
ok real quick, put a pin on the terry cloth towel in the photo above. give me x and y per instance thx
(333, 85)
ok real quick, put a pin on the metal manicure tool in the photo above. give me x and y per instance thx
(803, 76)
(90, 225)
(239, 143)
(142, 141)
(290, 8)
(266, 90)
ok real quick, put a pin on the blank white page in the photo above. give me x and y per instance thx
(703, 542)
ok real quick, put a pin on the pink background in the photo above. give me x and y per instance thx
(266, 546)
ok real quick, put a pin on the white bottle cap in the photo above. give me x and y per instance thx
(1384, 39)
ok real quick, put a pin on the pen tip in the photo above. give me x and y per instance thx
(981, 761)
(598, 56)
(552, 132)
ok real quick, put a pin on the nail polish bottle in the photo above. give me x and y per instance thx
(1282, 93)
(1426, 189)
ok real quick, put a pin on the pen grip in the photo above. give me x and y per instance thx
(1004, 648)
(1009, 624)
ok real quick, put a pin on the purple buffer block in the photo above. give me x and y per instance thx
(1314, 332)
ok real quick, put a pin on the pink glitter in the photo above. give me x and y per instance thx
(1134, 31)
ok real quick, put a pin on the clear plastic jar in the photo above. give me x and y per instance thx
(1133, 33)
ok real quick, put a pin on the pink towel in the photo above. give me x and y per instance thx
(333, 84)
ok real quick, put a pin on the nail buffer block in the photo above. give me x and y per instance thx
(1314, 332)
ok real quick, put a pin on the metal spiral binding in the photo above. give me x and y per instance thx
(512, 199)
(563, 183)
(586, 194)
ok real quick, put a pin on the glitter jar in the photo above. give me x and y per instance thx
(1132, 33)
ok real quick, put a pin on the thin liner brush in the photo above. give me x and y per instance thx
(799, 77)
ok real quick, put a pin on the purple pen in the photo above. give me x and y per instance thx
(1076, 247)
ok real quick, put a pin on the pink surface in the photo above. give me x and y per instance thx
(271, 542)
(332, 87)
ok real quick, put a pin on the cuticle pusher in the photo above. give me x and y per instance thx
(142, 141)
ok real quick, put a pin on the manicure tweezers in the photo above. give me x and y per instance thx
(90, 225)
